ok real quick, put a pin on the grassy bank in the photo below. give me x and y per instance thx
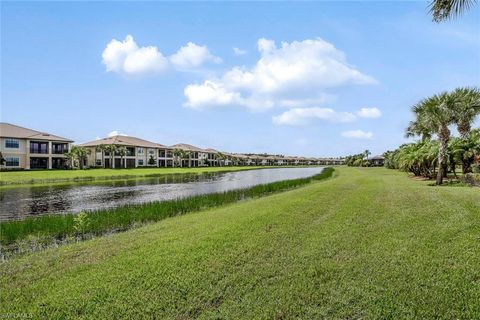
(44, 228)
(370, 244)
(53, 176)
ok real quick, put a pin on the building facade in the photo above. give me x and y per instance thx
(24, 148)
(129, 152)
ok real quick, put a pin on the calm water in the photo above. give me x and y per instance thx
(18, 203)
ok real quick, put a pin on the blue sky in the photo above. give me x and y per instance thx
(314, 79)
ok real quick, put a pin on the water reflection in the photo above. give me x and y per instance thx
(18, 203)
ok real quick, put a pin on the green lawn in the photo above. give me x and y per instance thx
(370, 243)
(49, 176)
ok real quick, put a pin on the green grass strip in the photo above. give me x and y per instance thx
(100, 222)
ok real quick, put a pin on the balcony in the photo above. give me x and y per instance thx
(58, 148)
(39, 147)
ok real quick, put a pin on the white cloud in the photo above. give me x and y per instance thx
(303, 116)
(372, 113)
(126, 57)
(115, 133)
(192, 55)
(357, 134)
(293, 71)
(239, 52)
(210, 93)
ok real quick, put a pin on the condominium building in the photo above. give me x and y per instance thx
(24, 148)
(129, 152)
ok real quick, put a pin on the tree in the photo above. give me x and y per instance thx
(122, 152)
(81, 154)
(70, 156)
(151, 161)
(76, 155)
(466, 150)
(102, 148)
(466, 109)
(367, 153)
(177, 154)
(433, 115)
(442, 10)
(2, 159)
(111, 149)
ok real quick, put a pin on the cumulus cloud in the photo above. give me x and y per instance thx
(295, 70)
(303, 116)
(239, 52)
(372, 113)
(357, 134)
(128, 58)
(210, 93)
(193, 55)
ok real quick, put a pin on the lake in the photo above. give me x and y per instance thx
(22, 202)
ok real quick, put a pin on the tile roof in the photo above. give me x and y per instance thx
(13, 131)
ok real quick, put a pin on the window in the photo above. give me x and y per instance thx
(140, 150)
(12, 161)
(140, 162)
(12, 143)
(151, 151)
(98, 162)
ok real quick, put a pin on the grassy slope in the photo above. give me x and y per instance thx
(22, 177)
(369, 243)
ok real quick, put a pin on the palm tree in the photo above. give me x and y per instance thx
(122, 152)
(442, 10)
(81, 154)
(102, 148)
(367, 153)
(70, 156)
(111, 149)
(177, 154)
(433, 116)
(466, 109)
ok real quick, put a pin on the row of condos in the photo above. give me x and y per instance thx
(131, 152)
(23, 148)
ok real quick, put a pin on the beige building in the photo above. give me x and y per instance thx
(139, 153)
(24, 148)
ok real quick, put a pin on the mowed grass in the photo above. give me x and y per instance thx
(51, 176)
(370, 243)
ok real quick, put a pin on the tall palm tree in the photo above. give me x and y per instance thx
(122, 152)
(102, 148)
(466, 109)
(177, 154)
(433, 116)
(446, 9)
(366, 153)
(111, 149)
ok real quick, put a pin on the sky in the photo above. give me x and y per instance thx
(305, 78)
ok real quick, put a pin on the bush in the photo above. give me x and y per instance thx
(472, 179)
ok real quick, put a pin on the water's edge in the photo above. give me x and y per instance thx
(35, 234)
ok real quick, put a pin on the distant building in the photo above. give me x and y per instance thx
(376, 161)
(24, 148)
(140, 153)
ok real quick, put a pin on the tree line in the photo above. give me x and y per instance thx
(437, 152)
